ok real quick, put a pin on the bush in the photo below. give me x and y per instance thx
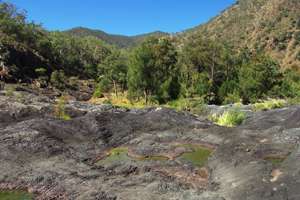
(73, 82)
(60, 109)
(257, 78)
(269, 105)
(232, 98)
(194, 105)
(58, 79)
(41, 71)
(10, 91)
(229, 90)
(97, 92)
(293, 101)
(229, 118)
(290, 86)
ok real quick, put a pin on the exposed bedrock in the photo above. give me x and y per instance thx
(110, 153)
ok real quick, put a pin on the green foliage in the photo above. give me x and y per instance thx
(60, 109)
(98, 92)
(27, 46)
(58, 79)
(257, 77)
(103, 86)
(290, 85)
(228, 92)
(41, 71)
(10, 91)
(229, 118)
(119, 41)
(293, 101)
(114, 72)
(159, 69)
(205, 66)
(269, 105)
(152, 71)
(194, 105)
(232, 98)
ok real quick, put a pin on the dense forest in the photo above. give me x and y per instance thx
(159, 69)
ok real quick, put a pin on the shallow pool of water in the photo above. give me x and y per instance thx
(120, 154)
(275, 160)
(198, 156)
(15, 195)
(115, 155)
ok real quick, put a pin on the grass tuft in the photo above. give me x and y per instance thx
(269, 105)
(193, 105)
(120, 101)
(229, 118)
(59, 110)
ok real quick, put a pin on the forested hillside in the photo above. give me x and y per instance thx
(120, 41)
(31, 51)
(269, 25)
(216, 63)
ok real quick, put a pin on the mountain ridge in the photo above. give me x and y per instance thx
(122, 41)
(269, 25)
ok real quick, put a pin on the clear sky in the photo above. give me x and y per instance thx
(127, 17)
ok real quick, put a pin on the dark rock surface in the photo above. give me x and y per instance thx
(56, 159)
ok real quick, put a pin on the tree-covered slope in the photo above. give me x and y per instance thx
(116, 40)
(269, 25)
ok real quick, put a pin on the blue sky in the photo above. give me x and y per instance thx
(128, 17)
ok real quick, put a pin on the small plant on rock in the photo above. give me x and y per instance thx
(10, 91)
(230, 118)
(58, 79)
(60, 109)
(269, 105)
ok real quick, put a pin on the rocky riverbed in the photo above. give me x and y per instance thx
(106, 153)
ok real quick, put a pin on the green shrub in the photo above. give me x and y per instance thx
(41, 71)
(104, 85)
(232, 98)
(60, 109)
(290, 86)
(10, 91)
(269, 105)
(20, 98)
(257, 78)
(293, 101)
(229, 118)
(58, 79)
(228, 92)
(194, 105)
(298, 56)
(107, 101)
(97, 92)
(73, 82)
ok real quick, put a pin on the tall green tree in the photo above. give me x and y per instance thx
(205, 64)
(257, 77)
(153, 71)
(114, 69)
